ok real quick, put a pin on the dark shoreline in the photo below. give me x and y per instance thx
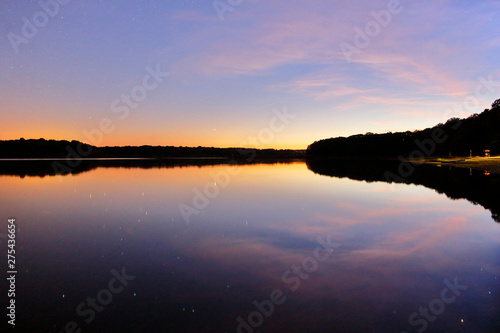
(485, 164)
(60, 166)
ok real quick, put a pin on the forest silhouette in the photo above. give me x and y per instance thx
(42, 148)
(456, 137)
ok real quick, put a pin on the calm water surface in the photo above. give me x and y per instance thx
(334, 254)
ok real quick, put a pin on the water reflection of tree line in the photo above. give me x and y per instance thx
(42, 168)
(455, 183)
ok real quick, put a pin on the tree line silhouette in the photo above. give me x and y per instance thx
(41, 148)
(458, 137)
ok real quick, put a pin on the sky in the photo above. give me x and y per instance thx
(281, 73)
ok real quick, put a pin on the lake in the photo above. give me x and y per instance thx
(263, 247)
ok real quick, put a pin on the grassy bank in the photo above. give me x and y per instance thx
(487, 164)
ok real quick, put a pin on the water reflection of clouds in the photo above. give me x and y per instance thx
(386, 263)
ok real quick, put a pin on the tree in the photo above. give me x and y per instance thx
(495, 104)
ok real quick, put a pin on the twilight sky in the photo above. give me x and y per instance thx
(63, 70)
